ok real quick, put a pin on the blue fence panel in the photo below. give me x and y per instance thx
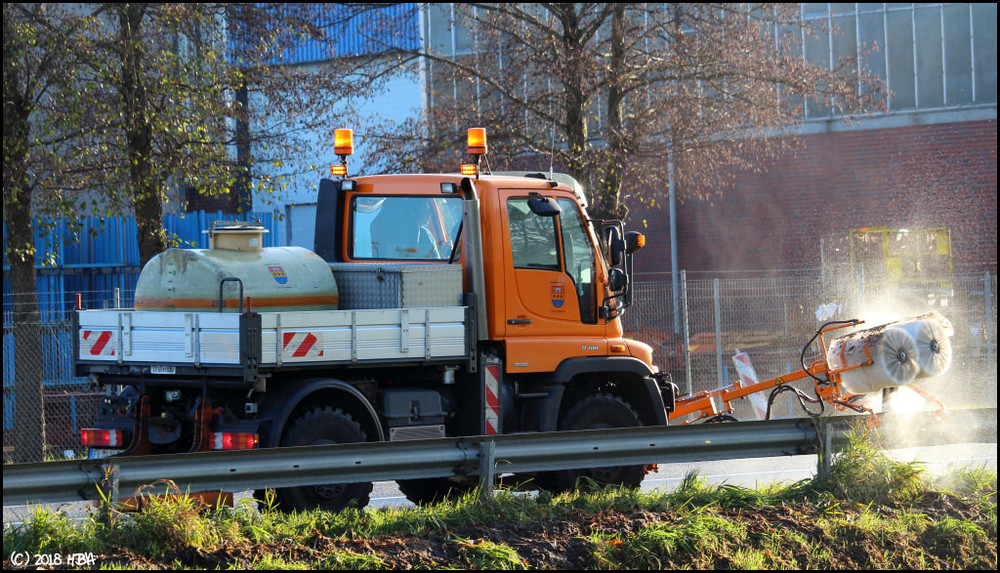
(102, 257)
(8, 408)
(8, 362)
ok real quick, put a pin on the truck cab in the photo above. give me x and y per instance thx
(547, 281)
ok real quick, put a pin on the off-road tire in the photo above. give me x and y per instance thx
(317, 427)
(595, 412)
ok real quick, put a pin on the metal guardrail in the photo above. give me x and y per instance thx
(484, 456)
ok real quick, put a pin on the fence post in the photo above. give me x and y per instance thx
(718, 331)
(687, 335)
(990, 333)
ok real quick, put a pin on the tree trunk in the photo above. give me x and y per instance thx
(243, 158)
(29, 398)
(609, 203)
(139, 135)
(29, 411)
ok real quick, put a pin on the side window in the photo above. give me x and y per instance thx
(404, 227)
(580, 260)
(532, 238)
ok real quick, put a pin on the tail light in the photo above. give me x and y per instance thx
(233, 441)
(98, 438)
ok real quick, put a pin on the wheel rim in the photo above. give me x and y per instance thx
(328, 491)
(604, 473)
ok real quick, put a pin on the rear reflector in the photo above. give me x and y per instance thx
(233, 441)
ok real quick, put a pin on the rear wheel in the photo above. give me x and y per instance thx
(321, 426)
(591, 413)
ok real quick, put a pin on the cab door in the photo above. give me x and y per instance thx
(552, 278)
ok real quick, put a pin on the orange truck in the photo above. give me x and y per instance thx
(431, 305)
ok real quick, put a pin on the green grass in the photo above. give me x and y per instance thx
(872, 512)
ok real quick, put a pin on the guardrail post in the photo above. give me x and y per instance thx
(487, 463)
(825, 454)
(108, 489)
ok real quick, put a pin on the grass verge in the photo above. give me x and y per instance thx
(872, 513)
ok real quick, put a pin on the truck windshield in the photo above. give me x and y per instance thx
(410, 228)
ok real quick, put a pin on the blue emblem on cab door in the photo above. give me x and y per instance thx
(558, 296)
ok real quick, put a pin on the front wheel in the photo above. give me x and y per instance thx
(428, 491)
(317, 427)
(595, 412)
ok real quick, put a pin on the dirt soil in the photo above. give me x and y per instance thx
(565, 544)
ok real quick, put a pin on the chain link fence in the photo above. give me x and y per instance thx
(693, 334)
(773, 320)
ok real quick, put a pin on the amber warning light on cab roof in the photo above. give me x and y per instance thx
(476, 141)
(476, 147)
(343, 145)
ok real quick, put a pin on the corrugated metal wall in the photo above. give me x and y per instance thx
(105, 258)
(369, 32)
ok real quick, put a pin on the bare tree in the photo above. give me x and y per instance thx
(609, 92)
(107, 106)
(32, 39)
(163, 94)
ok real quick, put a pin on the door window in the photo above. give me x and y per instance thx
(579, 256)
(532, 238)
(535, 245)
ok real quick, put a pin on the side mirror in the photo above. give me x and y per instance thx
(617, 280)
(543, 206)
(616, 246)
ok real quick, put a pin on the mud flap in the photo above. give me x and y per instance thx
(140, 435)
(201, 441)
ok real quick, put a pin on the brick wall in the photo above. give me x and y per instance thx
(909, 177)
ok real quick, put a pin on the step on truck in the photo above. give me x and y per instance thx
(431, 305)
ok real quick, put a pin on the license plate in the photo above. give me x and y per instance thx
(100, 453)
(162, 370)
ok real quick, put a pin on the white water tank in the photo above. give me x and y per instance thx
(274, 278)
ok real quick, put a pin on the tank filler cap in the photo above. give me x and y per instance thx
(231, 236)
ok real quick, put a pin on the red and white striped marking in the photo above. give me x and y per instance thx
(302, 345)
(491, 393)
(98, 343)
(748, 376)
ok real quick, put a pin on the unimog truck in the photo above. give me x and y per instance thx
(431, 305)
